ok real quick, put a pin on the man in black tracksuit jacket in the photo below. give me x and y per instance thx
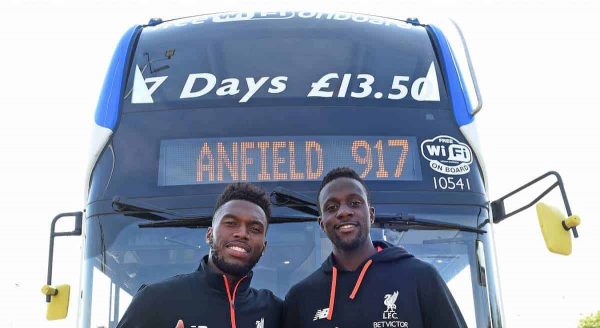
(365, 284)
(420, 295)
(200, 299)
(218, 294)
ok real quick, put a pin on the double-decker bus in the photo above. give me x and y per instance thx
(279, 99)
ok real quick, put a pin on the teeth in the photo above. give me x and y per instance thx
(346, 226)
(239, 249)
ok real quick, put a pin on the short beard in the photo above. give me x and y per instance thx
(229, 268)
(348, 246)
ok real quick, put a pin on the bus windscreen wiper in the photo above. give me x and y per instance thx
(129, 207)
(206, 221)
(167, 219)
(189, 222)
(284, 197)
(405, 222)
(288, 198)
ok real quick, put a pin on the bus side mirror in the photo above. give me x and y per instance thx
(59, 301)
(58, 297)
(555, 228)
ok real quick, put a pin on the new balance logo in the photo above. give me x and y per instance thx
(260, 323)
(321, 314)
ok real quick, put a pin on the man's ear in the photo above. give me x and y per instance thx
(209, 237)
(372, 214)
(320, 221)
(264, 247)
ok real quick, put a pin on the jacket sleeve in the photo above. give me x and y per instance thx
(141, 311)
(439, 309)
(291, 311)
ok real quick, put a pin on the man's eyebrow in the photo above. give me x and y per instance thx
(358, 195)
(258, 222)
(354, 194)
(330, 199)
(229, 216)
(255, 220)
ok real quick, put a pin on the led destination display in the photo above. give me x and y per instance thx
(288, 158)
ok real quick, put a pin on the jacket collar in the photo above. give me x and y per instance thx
(214, 280)
(388, 252)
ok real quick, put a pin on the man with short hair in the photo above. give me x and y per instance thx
(218, 294)
(364, 283)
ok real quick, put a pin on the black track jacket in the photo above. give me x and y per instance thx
(391, 289)
(202, 299)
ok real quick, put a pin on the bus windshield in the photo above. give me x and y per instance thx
(281, 102)
(297, 61)
(123, 254)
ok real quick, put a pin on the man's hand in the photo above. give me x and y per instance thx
(179, 324)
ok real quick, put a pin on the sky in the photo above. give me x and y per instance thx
(536, 63)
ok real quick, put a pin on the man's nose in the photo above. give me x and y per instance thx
(241, 232)
(344, 211)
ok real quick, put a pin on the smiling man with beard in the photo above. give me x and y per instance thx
(365, 283)
(218, 294)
